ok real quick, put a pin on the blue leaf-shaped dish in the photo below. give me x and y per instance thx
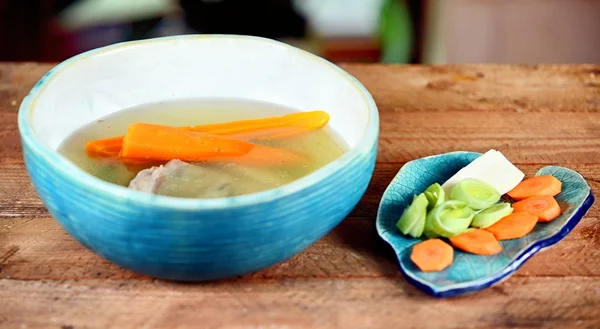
(470, 273)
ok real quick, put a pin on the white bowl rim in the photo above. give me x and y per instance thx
(78, 175)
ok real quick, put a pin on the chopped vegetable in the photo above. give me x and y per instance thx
(432, 255)
(108, 147)
(492, 168)
(268, 128)
(156, 142)
(435, 195)
(491, 215)
(448, 219)
(478, 194)
(544, 207)
(161, 143)
(477, 241)
(538, 185)
(513, 226)
(412, 221)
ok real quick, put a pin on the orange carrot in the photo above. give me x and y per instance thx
(432, 255)
(544, 207)
(156, 142)
(162, 143)
(267, 128)
(513, 226)
(108, 147)
(538, 185)
(477, 241)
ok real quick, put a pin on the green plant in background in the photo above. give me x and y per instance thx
(395, 32)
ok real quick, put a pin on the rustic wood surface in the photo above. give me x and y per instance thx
(536, 115)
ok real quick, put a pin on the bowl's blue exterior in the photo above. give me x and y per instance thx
(195, 240)
(470, 273)
(193, 245)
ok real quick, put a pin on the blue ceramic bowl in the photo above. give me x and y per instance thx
(470, 273)
(187, 239)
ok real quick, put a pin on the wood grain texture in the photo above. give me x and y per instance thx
(297, 303)
(536, 115)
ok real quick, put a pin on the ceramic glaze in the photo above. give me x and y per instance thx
(470, 273)
(192, 239)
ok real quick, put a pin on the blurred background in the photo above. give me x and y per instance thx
(390, 31)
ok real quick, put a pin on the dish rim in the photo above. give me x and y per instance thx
(461, 289)
(90, 183)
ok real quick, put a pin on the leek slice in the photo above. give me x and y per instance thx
(491, 215)
(435, 195)
(412, 221)
(451, 218)
(478, 194)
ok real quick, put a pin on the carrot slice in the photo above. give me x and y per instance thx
(538, 185)
(544, 207)
(432, 255)
(162, 143)
(477, 241)
(267, 128)
(513, 226)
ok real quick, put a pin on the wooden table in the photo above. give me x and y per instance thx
(536, 115)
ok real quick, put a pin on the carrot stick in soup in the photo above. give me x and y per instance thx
(157, 142)
(267, 128)
(162, 143)
(108, 147)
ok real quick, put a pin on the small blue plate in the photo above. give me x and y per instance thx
(470, 273)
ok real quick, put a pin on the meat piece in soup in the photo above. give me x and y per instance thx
(149, 180)
(257, 123)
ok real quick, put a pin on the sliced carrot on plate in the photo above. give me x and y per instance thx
(432, 255)
(513, 226)
(477, 241)
(538, 185)
(544, 207)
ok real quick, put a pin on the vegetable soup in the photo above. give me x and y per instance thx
(204, 148)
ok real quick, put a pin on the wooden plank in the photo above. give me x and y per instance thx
(296, 303)
(511, 89)
(529, 137)
(38, 249)
(16, 80)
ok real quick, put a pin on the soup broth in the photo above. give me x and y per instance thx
(198, 179)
